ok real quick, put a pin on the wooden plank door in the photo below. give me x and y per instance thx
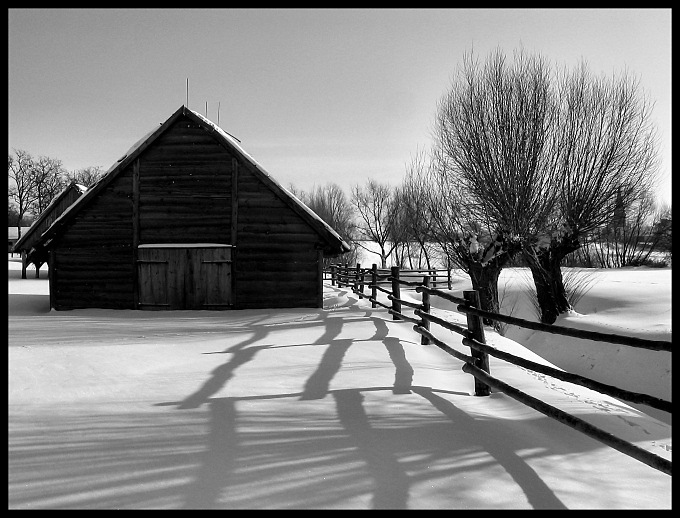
(153, 267)
(211, 283)
(184, 277)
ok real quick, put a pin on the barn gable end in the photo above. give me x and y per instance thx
(184, 189)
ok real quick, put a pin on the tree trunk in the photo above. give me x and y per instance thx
(484, 274)
(485, 281)
(545, 268)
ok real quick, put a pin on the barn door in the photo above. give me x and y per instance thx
(176, 277)
(153, 268)
(210, 286)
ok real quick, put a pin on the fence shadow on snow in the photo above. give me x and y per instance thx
(389, 281)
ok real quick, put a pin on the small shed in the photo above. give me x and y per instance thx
(25, 244)
(186, 219)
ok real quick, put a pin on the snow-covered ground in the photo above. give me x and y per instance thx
(339, 408)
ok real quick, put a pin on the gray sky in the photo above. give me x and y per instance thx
(315, 96)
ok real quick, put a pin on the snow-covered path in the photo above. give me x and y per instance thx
(336, 409)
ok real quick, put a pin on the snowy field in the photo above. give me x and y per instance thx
(339, 408)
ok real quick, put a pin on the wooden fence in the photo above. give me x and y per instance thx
(477, 362)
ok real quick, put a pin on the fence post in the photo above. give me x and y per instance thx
(448, 276)
(374, 283)
(396, 292)
(426, 308)
(475, 326)
(332, 275)
(356, 279)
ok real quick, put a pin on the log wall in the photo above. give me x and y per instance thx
(92, 263)
(185, 188)
(276, 259)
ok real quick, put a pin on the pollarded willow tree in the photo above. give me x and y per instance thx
(468, 242)
(492, 149)
(606, 147)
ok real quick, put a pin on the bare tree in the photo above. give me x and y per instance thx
(544, 157)
(492, 145)
(331, 204)
(48, 181)
(662, 229)
(606, 151)
(479, 250)
(87, 176)
(493, 131)
(33, 183)
(376, 211)
(412, 199)
(22, 183)
(631, 239)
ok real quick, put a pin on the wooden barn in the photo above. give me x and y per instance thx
(28, 244)
(187, 220)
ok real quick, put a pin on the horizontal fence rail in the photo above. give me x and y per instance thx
(477, 363)
(632, 341)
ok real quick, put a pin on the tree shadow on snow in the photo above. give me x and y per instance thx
(495, 440)
(217, 462)
(390, 481)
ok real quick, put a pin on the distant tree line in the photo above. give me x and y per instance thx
(35, 181)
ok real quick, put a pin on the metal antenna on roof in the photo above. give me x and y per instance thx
(206, 109)
(218, 114)
(187, 92)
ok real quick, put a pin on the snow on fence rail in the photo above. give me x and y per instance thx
(477, 363)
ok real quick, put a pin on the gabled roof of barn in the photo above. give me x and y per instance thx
(335, 244)
(28, 237)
